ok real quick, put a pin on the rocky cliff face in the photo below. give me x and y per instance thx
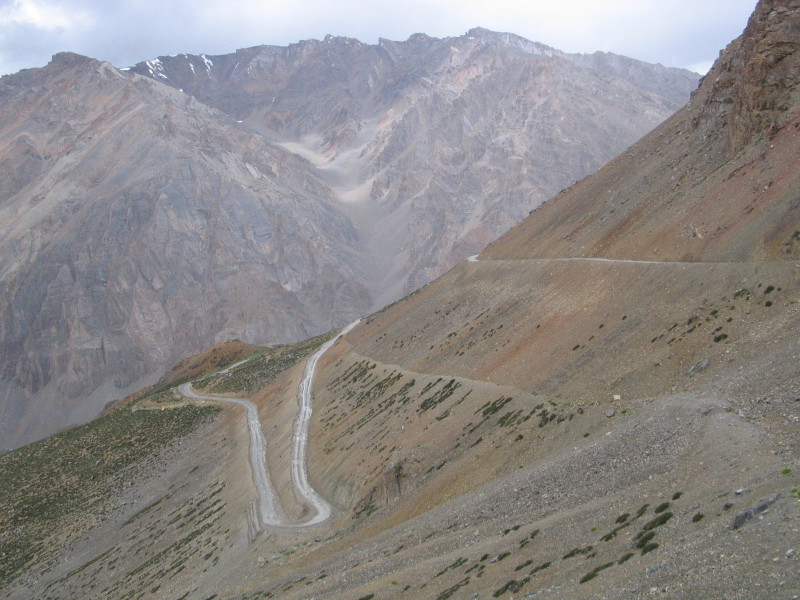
(434, 146)
(139, 224)
(272, 193)
(753, 86)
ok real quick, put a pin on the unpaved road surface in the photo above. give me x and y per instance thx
(269, 509)
(300, 438)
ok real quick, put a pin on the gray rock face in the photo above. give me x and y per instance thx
(272, 193)
(148, 225)
(434, 147)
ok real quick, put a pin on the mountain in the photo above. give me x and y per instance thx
(603, 404)
(434, 146)
(281, 193)
(129, 210)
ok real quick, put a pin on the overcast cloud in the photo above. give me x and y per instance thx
(679, 33)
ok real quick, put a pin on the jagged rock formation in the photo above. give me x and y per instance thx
(282, 192)
(434, 146)
(755, 81)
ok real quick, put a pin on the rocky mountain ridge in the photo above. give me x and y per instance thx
(276, 191)
(419, 131)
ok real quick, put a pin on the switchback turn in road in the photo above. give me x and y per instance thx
(300, 437)
(269, 509)
(268, 506)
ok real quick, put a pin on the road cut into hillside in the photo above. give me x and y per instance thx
(268, 505)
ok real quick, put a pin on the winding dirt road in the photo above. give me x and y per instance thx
(474, 258)
(300, 437)
(268, 505)
(269, 509)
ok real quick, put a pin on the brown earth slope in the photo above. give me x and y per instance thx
(544, 388)
(548, 423)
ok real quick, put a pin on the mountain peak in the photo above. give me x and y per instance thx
(71, 59)
(510, 40)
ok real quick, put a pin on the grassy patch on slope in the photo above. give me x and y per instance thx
(261, 370)
(70, 478)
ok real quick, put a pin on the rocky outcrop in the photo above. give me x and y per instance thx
(753, 87)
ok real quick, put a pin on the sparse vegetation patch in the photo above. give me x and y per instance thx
(54, 484)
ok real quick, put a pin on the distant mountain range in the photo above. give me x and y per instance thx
(272, 193)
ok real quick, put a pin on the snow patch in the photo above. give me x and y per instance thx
(207, 61)
(156, 68)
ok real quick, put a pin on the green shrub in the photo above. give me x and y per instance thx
(649, 548)
(625, 557)
(643, 538)
(658, 521)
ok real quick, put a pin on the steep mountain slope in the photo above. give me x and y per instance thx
(545, 421)
(535, 423)
(435, 146)
(629, 349)
(342, 177)
(129, 210)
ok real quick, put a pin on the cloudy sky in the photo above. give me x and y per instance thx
(678, 33)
